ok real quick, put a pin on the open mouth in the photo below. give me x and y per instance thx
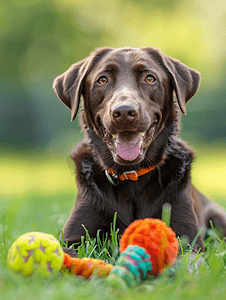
(129, 145)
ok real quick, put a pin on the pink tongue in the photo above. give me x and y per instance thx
(128, 152)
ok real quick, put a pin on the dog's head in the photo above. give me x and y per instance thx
(128, 97)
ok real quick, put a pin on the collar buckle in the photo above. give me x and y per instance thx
(133, 172)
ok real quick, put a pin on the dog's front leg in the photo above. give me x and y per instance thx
(84, 213)
(184, 221)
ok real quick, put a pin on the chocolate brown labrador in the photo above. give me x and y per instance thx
(131, 160)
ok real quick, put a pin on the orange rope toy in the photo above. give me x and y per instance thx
(85, 267)
(147, 247)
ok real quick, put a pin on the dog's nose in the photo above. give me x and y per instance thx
(124, 113)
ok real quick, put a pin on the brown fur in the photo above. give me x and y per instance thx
(126, 106)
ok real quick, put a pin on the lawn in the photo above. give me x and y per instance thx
(37, 192)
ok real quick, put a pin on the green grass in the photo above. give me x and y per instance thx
(206, 282)
(37, 194)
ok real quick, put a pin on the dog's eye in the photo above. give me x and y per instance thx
(102, 80)
(150, 79)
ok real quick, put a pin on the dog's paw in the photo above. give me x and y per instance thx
(71, 252)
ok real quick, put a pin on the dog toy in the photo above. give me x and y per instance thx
(158, 240)
(132, 267)
(36, 252)
(147, 247)
(85, 267)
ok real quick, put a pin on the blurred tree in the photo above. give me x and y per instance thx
(35, 40)
(38, 39)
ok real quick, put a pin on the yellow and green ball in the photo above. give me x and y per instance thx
(36, 252)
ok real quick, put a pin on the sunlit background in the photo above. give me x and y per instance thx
(40, 39)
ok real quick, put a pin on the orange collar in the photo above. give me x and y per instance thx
(130, 175)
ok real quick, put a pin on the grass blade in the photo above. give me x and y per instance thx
(166, 213)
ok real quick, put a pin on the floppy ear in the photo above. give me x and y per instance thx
(68, 86)
(185, 80)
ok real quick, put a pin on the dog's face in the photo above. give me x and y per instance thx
(127, 96)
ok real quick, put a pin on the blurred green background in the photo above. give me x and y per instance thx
(40, 39)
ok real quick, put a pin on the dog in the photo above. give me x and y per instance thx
(131, 160)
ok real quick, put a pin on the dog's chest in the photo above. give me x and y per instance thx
(141, 200)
